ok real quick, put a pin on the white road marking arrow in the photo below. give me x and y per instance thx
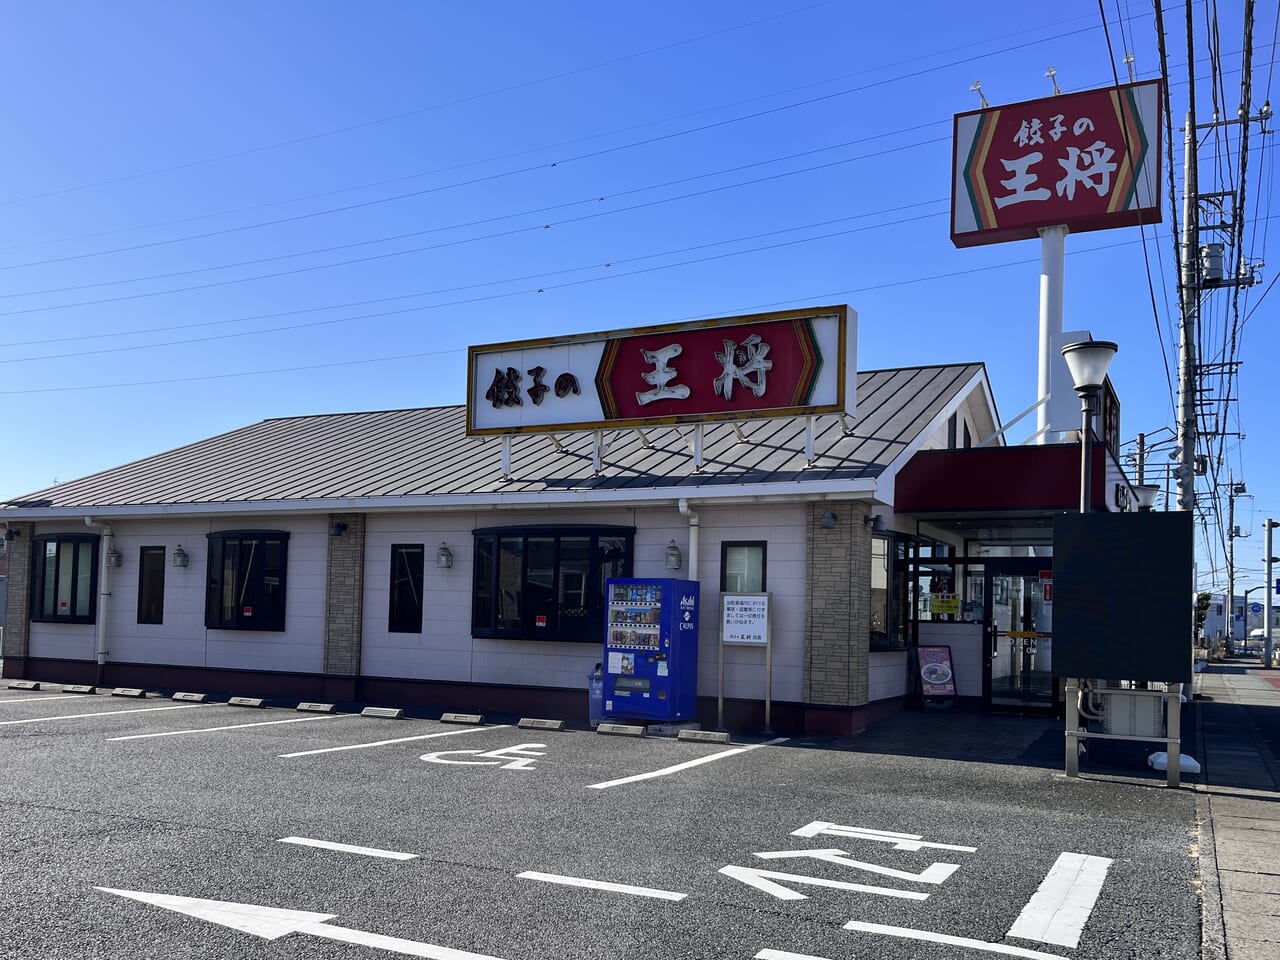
(273, 923)
(934, 873)
(764, 880)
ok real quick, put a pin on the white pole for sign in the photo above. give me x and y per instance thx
(1052, 256)
(768, 672)
(720, 693)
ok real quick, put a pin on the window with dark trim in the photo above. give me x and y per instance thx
(951, 432)
(546, 583)
(64, 578)
(407, 568)
(743, 566)
(151, 585)
(246, 586)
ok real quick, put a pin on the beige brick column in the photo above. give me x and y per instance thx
(344, 597)
(17, 609)
(838, 593)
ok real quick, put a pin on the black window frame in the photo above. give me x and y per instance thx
(155, 555)
(255, 587)
(725, 546)
(401, 617)
(527, 620)
(39, 546)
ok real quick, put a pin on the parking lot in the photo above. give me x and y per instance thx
(155, 828)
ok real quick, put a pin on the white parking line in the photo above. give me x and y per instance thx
(1061, 906)
(602, 885)
(348, 848)
(65, 696)
(929, 937)
(103, 713)
(666, 771)
(383, 743)
(234, 726)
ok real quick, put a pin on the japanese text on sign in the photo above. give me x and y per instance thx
(744, 618)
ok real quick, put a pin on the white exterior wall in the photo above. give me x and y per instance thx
(182, 638)
(887, 675)
(445, 650)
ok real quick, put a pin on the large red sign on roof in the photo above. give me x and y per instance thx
(794, 362)
(1088, 161)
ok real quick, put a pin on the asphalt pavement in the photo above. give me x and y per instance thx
(154, 828)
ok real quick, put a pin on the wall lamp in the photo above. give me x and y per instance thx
(875, 522)
(113, 557)
(828, 520)
(180, 558)
(673, 556)
(11, 534)
(337, 528)
(444, 557)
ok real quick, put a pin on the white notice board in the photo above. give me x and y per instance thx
(744, 619)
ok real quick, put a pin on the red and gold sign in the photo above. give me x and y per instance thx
(1087, 161)
(796, 362)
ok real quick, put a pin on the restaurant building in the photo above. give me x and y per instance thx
(444, 559)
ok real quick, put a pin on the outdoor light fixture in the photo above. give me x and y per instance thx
(337, 529)
(444, 559)
(1146, 495)
(10, 533)
(180, 558)
(828, 520)
(113, 557)
(673, 556)
(875, 522)
(1087, 361)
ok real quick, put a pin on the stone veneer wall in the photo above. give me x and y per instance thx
(17, 610)
(344, 597)
(838, 594)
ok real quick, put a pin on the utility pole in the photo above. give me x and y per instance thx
(1233, 490)
(1190, 320)
(1269, 645)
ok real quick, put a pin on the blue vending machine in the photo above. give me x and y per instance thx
(651, 650)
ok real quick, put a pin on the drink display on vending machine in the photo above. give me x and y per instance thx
(651, 650)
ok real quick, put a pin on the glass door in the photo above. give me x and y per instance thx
(1019, 635)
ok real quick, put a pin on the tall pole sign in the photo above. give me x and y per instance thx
(1044, 168)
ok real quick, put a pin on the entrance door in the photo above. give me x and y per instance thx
(1019, 635)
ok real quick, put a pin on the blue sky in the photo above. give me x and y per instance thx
(215, 213)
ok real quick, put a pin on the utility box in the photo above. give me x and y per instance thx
(1129, 714)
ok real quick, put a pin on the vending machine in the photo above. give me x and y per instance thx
(651, 650)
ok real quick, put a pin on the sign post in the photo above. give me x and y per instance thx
(745, 622)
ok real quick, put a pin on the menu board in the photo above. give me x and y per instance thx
(937, 678)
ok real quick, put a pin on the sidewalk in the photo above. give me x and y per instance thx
(1237, 741)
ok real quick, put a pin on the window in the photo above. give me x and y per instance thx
(151, 585)
(407, 563)
(246, 589)
(64, 578)
(546, 583)
(742, 566)
(888, 593)
(951, 432)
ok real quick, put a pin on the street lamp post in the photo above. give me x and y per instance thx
(1087, 361)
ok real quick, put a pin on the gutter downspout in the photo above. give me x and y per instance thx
(693, 537)
(104, 594)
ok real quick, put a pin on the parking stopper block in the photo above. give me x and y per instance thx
(246, 701)
(191, 697)
(386, 713)
(78, 688)
(620, 730)
(528, 723)
(25, 685)
(129, 692)
(475, 718)
(316, 707)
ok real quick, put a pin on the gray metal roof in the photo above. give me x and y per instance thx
(375, 457)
